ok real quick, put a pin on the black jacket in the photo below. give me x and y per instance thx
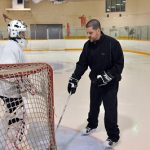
(104, 54)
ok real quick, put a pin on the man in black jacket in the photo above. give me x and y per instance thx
(104, 56)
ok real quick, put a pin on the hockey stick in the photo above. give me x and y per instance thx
(6, 18)
(63, 110)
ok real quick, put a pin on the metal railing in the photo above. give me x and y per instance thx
(126, 32)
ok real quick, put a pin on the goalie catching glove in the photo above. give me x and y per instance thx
(72, 85)
(103, 78)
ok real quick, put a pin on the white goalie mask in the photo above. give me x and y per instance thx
(17, 30)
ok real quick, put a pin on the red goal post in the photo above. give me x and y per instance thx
(26, 91)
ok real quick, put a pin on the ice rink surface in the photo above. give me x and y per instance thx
(133, 103)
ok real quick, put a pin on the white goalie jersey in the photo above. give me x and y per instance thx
(11, 53)
(1, 47)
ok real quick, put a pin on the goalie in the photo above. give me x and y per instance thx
(15, 113)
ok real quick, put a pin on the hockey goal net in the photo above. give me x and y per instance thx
(26, 107)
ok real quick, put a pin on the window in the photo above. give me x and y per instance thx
(19, 1)
(115, 5)
(46, 31)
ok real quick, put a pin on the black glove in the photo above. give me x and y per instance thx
(103, 78)
(72, 85)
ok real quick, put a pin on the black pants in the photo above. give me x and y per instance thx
(108, 95)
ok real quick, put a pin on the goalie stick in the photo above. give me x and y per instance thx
(67, 101)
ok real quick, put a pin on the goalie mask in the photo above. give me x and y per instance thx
(16, 31)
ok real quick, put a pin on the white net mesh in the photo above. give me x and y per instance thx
(26, 107)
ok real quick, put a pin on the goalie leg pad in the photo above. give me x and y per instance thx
(17, 126)
(12, 103)
(16, 117)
